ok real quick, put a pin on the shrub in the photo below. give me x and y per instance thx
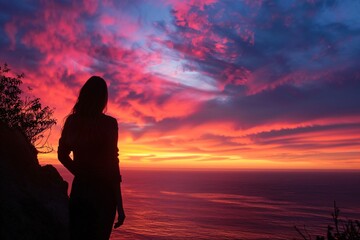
(24, 113)
(342, 229)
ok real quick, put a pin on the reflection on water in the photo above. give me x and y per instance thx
(233, 205)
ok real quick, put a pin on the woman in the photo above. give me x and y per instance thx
(92, 137)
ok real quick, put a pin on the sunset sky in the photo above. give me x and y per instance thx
(201, 83)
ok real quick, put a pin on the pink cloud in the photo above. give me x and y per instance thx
(11, 30)
(182, 86)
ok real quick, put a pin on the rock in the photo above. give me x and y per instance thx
(34, 201)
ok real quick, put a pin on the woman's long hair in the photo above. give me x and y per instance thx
(93, 98)
(85, 114)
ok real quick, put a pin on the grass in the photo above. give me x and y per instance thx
(341, 230)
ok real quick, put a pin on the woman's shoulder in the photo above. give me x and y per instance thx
(103, 119)
(70, 119)
(109, 119)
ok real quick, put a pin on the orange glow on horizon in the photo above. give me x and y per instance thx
(199, 84)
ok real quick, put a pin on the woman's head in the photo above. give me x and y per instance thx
(92, 98)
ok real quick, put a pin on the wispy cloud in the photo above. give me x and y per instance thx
(238, 83)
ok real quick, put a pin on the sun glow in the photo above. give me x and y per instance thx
(201, 84)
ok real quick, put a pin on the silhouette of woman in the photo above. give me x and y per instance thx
(92, 137)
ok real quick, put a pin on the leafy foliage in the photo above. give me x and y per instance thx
(23, 113)
(344, 229)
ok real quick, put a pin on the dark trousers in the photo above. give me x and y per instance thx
(92, 209)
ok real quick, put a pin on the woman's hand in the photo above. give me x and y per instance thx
(121, 219)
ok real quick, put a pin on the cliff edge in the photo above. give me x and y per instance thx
(34, 201)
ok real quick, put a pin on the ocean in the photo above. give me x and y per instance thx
(233, 204)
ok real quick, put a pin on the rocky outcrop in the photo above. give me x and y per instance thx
(34, 201)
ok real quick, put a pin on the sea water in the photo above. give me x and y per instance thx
(233, 204)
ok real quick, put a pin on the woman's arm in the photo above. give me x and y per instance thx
(64, 150)
(120, 208)
(64, 158)
(119, 202)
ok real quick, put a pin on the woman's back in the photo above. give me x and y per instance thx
(92, 137)
(94, 145)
